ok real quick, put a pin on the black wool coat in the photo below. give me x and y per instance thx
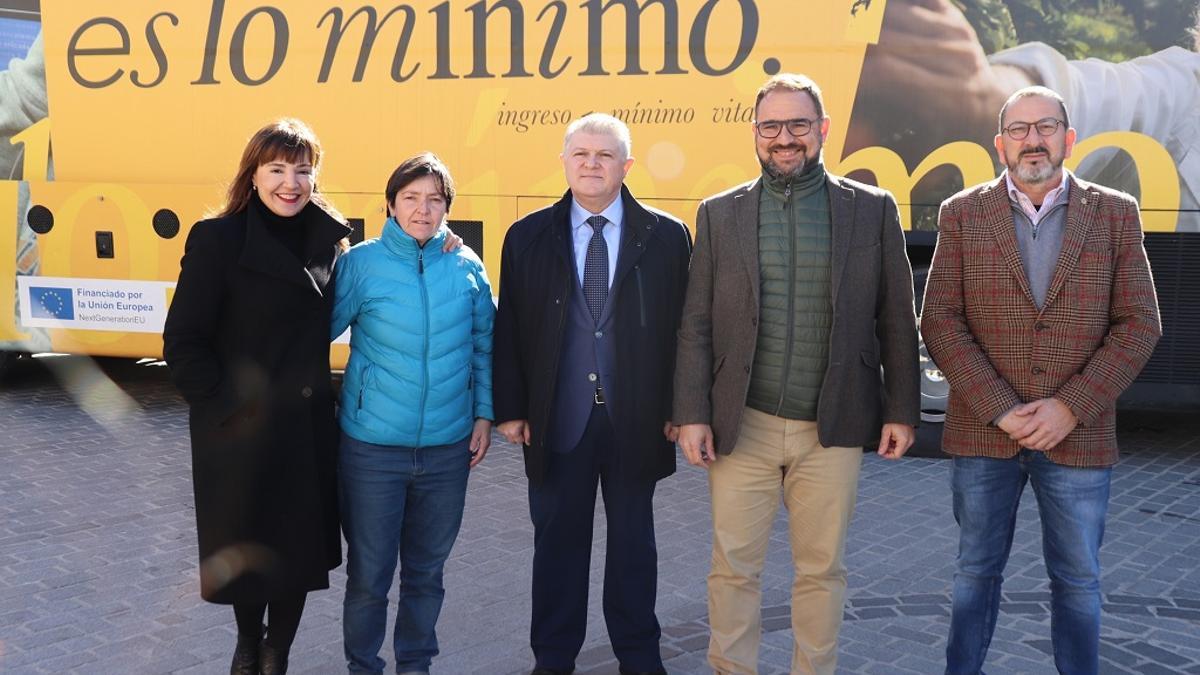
(537, 279)
(247, 342)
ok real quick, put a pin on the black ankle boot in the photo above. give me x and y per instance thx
(245, 656)
(272, 661)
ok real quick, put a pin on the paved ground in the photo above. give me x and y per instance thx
(97, 553)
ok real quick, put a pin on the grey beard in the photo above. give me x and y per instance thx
(1034, 176)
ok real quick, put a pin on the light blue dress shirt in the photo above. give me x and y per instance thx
(581, 234)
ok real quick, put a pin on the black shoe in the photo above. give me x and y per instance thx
(272, 661)
(552, 671)
(245, 657)
(626, 671)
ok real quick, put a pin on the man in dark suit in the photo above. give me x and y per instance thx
(591, 290)
(798, 346)
(1040, 309)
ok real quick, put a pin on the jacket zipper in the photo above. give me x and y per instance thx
(362, 388)
(791, 294)
(424, 344)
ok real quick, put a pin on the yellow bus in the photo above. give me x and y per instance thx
(119, 122)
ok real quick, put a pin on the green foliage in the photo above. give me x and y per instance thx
(992, 22)
(1114, 30)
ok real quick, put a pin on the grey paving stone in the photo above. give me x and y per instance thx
(924, 610)
(1028, 596)
(924, 599)
(693, 644)
(1118, 655)
(867, 613)
(1042, 645)
(912, 635)
(1127, 625)
(1158, 654)
(1188, 614)
(850, 663)
(1133, 610)
(1156, 669)
(1133, 600)
(684, 630)
(777, 610)
(777, 623)
(97, 541)
(1022, 608)
(1014, 664)
(873, 602)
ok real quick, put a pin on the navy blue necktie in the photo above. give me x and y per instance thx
(595, 269)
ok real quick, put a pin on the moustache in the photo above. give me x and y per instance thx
(799, 147)
(1029, 151)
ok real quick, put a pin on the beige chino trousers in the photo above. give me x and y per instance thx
(819, 485)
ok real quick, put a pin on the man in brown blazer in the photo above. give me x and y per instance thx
(1040, 310)
(799, 301)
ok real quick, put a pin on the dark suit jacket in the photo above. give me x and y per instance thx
(874, 324)
(247, 341)
(1095, 331)
(537, 279)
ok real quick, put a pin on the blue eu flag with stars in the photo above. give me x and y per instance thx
(50, 302)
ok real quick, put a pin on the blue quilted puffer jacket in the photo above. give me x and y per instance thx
(420, 320)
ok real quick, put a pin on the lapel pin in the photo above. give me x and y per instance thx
(1083, 200)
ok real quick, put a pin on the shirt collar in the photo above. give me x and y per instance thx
(614, 212)
(1052, 197)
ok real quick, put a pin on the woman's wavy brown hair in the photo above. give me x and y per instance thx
(286, 139)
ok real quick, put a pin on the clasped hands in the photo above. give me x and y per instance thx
(1039, 425)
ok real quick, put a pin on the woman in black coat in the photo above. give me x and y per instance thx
(247, 341)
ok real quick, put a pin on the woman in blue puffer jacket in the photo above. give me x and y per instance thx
(416, 412)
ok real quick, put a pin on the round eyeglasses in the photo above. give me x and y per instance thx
(1045, 127)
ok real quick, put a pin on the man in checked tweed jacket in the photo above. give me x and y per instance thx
(1040, 310)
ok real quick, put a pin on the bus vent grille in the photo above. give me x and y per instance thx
(471, 232)
(1175, 262)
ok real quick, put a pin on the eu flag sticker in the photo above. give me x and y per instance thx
(50, 302)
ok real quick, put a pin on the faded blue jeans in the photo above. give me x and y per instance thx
(397, 502)
(1072, 503)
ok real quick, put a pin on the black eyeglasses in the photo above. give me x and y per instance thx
(1045, 127)
(797, 128)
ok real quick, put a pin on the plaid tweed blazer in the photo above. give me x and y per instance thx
(981, 326)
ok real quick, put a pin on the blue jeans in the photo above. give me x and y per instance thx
(405, 501)
(1072, 503)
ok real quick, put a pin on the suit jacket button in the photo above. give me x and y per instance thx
(306, 392)
(754, 321)
(1039, 326)
(1037, 370)
(747, 369)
